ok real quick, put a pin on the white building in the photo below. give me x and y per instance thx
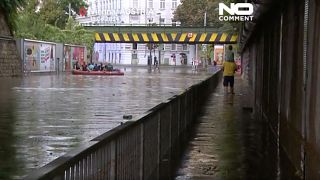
(135, 13)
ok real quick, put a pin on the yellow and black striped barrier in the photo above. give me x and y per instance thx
(191, 38)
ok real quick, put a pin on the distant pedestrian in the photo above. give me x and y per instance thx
(196, 63)
(192, 64)
(155, 63)
(229, 68)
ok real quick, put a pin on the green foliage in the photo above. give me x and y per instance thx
(76, 34)
(191, 13)
(56, 12)
(75, 5)
(40, 25)
(10, 8)
(52, 13)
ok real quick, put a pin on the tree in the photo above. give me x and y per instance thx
(191, 13)
(29, 25)
(56, 12)
(52, 13)
(35, 24)
(76, 34)
(75, 5)
(10, 8)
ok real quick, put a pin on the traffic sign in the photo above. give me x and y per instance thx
(204, 47)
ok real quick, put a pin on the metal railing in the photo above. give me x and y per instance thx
(146, 148)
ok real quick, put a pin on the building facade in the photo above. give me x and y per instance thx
(136, 13)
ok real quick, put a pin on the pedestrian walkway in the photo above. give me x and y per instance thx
(226, 140)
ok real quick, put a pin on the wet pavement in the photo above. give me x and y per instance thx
(227, 143)
(44, 116)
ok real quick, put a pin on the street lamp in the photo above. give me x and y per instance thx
(159, 47)
(149, 45)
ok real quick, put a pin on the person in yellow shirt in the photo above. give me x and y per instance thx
(229, 67)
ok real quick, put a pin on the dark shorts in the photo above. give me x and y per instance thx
(228, 80)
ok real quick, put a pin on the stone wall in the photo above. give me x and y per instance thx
(10, 62)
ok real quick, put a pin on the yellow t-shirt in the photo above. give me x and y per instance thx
(229, 68)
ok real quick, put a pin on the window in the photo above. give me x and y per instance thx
(185, 47)
(173, 47)
(162, 20)
(174, 23)
(135, 3)
(174, 4)
(134, 56)
(151, 4)
(134, 46)
(150, 20)
(162, 4)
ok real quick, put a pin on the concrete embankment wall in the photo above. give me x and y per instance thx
(283, 58)
(10, 63)
(145, 148)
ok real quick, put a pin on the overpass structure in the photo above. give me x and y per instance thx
(162, 34)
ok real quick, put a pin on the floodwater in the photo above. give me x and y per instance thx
(44, 116)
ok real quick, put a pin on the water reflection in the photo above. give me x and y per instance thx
(8, 153)
(43, 117)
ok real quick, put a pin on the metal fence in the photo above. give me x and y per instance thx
(146, 148)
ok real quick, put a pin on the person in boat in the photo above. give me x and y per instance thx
(101, 67)
(90, 67)
(95, 67)
(109, 67)
(77, 65)
(84, 67)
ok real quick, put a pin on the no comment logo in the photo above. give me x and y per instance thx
(236, 11)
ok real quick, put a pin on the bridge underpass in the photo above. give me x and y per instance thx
(282, 72)
(281, 66)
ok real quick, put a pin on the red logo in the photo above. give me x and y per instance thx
(83, 11)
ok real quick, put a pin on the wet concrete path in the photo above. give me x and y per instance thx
(227, 143)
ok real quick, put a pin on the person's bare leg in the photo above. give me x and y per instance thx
(231, 89)
(226, 89)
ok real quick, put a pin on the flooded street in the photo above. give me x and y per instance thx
(44, 116)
